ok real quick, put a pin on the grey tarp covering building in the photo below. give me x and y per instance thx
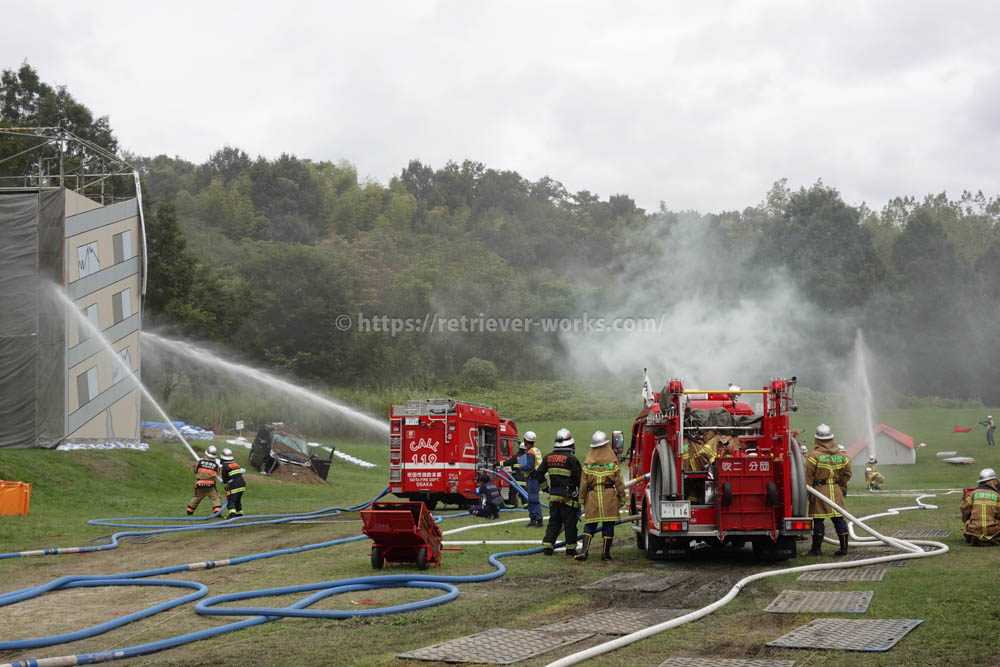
(32, 324)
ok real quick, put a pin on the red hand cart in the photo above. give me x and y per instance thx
(402, 532)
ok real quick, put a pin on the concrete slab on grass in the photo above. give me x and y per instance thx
(921, 534)
(863, 573)
(797, 602)
(496, 646)
(848, 634)
(615, 620)
(639, 581)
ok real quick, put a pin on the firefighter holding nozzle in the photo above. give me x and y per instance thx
(206, 474)
(528, 458)
(873, 478)
(828, 470)
(981, 511)
(602, 492)
(990, 428)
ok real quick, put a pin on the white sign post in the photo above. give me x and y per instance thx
(239, 427)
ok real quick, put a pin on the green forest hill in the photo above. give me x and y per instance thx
(261, 257)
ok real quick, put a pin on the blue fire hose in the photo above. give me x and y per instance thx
(319, 591)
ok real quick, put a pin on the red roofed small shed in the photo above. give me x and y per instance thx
(891, 447)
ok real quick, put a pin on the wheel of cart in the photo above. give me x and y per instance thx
(402, 532)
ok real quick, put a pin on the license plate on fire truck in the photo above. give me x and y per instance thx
(675, 509)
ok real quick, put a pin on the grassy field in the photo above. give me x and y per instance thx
(954, 594)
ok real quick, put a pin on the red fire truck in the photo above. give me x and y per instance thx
(754, 491)
(438, 446)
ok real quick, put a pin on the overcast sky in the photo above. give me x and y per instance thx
(700, 105)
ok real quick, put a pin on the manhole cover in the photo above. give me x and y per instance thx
(845, 574)
(795, 602)
(496, 645)
(724, 662)
(615, 621)
(639, 581)
(848, 634)
(919, 534)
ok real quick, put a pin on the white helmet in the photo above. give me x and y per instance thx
(871, 459)
(803, 448)
(599, 439)
(841, 447)
(564, 438)
(986, 474)
(734, 388)
(530, 436)
(227, 454)
(824, 432)
(211, 450)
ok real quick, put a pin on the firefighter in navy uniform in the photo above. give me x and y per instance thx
(490, 500)
(206, 473)
(828, 470)
(559, 475)
(232, 478)
(981, 511)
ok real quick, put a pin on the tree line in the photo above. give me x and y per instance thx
(263, 255)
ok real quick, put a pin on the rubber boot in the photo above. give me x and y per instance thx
(547, 550)
(586, 547)
(607, 548)
(571, 550)
(817, 543)
(842, 551)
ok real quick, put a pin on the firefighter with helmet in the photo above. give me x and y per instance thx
(206, 473)
(873, 478)
(526, 462)
(602, 492)
(981, 511)
(828, 470)
(235, 485)
(559, 474)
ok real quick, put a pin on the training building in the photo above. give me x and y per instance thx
(70, 263)
(891, 447)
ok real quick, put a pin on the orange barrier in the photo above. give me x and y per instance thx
(14, 498)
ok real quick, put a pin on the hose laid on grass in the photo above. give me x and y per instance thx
(911, 552)
(261, 614)
(154, 529)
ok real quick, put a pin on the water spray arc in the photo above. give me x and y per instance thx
(206, 358)
(860, 373)
(60, 295)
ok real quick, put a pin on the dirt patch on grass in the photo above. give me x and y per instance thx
(291, 473)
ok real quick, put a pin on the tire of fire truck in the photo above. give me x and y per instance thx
(727, 494)
(378, 560)
(766, 549)
(422, 558)
(654, 545)
(431, 504)
(772, 494)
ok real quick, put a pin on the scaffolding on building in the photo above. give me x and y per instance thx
(57, 158)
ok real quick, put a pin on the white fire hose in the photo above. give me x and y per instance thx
(911, 548)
